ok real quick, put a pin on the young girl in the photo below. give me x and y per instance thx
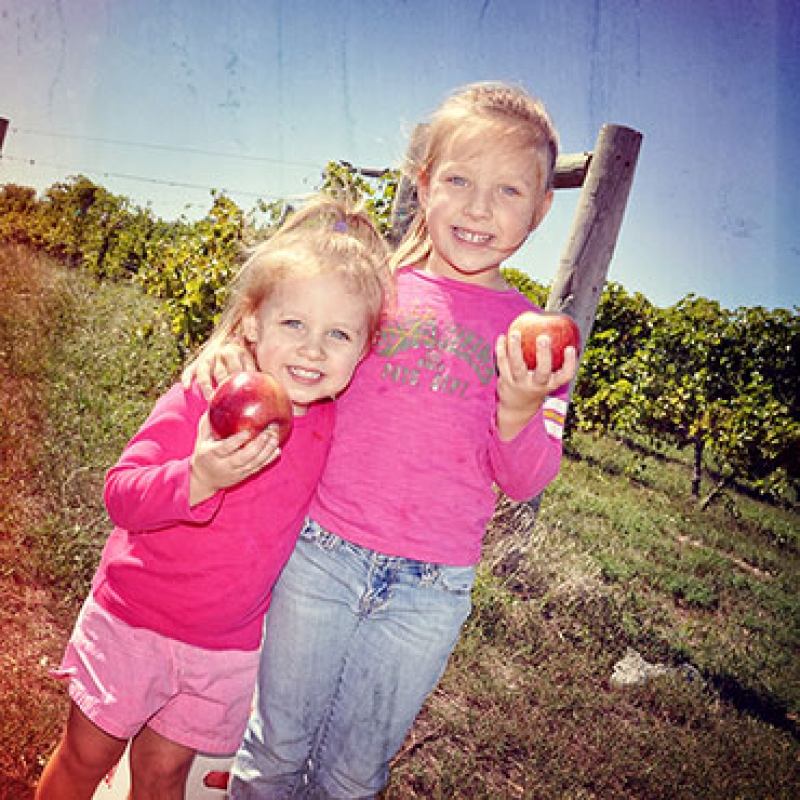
(369, 607)
(165, 650)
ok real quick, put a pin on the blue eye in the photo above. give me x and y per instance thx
(457, 180)
(294, 324)
(510, 191)
(342, 336)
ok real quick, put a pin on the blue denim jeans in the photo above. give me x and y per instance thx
(354, 642)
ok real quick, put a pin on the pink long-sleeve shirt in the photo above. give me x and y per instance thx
(202, 575)
(416, 453)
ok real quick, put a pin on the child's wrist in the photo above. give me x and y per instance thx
(199, 489)
(510, 421)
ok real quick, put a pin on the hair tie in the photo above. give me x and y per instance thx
(340, 226)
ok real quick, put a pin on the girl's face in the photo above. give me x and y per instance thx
(310, 334)
(481, 201)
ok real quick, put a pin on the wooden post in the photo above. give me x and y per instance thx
(581, 276)
(405, 201)
(571, 169)
(3, 129)
(578, 285)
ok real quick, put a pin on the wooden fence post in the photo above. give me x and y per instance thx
(405, 200)
(3, 129)
(578, 285)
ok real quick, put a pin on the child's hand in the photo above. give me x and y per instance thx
(211, 367)
(220, 463)
(520, 391)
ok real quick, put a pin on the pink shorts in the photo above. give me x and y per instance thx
(124, 678)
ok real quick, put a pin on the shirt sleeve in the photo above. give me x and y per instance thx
(148, 488)
(524, 466)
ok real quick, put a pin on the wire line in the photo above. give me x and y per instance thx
(143, 178)
(155, 146)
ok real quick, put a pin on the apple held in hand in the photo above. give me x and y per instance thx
(250, 401)
(561, 329)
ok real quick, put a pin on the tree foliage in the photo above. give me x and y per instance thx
(376, 193)
(696, 375)
(194, 270)
(533, 290)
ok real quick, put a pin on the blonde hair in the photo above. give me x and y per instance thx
(504, 111)
(327, 235)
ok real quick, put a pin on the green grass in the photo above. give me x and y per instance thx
(111, 357)
(725, 580)
(618, 556)
(613, 561)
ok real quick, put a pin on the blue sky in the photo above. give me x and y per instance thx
(162, 100)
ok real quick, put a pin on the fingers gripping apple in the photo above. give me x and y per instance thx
(561, 329)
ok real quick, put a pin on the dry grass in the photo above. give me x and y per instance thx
(34, 618)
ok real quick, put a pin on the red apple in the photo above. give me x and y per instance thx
(250, 401)
(561, 329)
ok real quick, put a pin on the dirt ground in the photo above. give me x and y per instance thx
(34, 631)
(34, 622)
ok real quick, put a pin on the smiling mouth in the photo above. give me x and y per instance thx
(471, 237)
(305, 375)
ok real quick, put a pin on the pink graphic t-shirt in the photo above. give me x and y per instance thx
(416, 455)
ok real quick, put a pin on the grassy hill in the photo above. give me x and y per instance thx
(617, 557)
